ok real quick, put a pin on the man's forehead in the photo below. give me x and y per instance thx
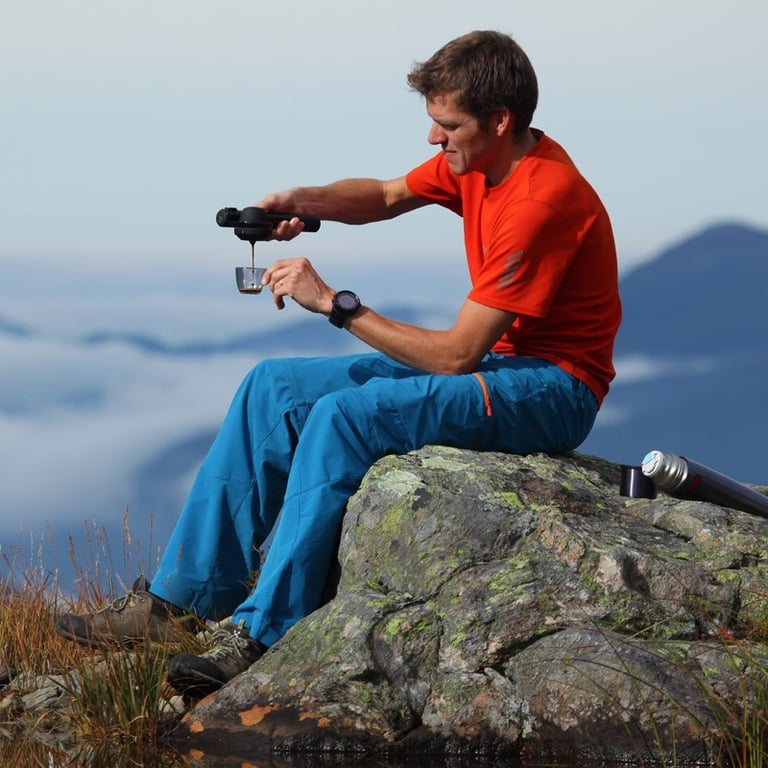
(444, 105)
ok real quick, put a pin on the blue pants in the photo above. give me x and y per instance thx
(298, 438)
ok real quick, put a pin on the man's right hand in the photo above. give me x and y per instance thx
(283, 202)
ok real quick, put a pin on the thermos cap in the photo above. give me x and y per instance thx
(652, 463)
(636, 485)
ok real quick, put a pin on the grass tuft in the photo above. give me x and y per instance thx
(110, 708)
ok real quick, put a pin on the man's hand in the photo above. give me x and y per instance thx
(298, 279)
(283, 202)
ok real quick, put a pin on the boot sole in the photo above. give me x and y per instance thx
(101, 643)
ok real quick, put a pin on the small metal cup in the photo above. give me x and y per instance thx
(635, 485)
(249, 279)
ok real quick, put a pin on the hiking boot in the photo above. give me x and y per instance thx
(232, 652)
(136, 617)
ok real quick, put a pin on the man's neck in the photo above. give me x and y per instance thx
(521, 146)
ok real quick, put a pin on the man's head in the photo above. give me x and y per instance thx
(485, 71)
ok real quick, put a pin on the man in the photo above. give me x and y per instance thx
(523, 368)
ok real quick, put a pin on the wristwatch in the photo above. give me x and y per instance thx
(345, 304)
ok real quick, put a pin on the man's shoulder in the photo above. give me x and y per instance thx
(550, 176)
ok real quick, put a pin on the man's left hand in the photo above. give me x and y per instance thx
(298, 279)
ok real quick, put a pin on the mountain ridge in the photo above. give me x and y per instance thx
(696, 316)
(703, 293)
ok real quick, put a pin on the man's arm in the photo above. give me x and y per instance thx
(456, 350)
(357, 201)
(350, 201)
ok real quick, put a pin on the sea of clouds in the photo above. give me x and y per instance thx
(114, 383)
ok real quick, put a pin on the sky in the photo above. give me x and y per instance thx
(126, 126)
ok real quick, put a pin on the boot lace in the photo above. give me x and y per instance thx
(227, 643)
(119, 604)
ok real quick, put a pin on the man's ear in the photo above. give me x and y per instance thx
(503, 122)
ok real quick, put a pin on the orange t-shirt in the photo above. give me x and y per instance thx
(539, 244)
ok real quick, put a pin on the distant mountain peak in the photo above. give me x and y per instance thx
(719, 243)
(704, 295)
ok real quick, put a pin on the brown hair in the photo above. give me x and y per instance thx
(487, 71)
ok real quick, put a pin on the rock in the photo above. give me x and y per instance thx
(514, 605)
(44, 698)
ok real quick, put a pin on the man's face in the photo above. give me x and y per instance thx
(467, 145)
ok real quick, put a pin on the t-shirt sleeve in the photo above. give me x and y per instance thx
(530, 249)
(434, 180)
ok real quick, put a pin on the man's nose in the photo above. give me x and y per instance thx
(436, 135)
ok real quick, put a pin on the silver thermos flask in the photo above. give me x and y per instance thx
(687, 479)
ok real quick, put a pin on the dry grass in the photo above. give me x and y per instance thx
(115, 700)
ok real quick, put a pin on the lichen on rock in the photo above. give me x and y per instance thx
(499, 603)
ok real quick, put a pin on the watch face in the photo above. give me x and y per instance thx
(346, 301)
